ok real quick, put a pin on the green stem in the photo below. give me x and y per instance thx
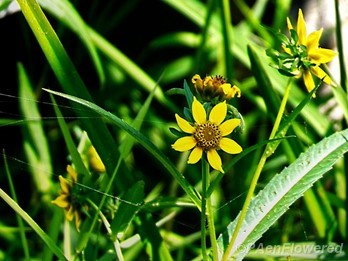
(211, 227)
(108, 229)
(267, 152)
(205, 174)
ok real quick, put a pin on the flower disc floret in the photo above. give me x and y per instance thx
(207, 135)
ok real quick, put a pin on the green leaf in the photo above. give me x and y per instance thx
(149, 232)
(71, 18)
(126, 212)
(265, 85)
(188, 95)
(282, 191)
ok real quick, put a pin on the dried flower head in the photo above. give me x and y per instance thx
(211, 87)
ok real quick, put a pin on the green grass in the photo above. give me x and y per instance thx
(112, 76)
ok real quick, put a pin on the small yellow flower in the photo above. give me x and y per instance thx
(67, 200)
(315, 54)
(211, 87)
(207, 135)
(94, 160)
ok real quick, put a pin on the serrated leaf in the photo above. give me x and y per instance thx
(282, 191)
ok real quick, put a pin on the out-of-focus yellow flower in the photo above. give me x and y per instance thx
(311, 56)
(67, 198)
(214, 87)
(207, 135)
(94, 160)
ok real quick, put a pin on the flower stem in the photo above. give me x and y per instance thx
(267, 152)
(205, 173)
(211, 228)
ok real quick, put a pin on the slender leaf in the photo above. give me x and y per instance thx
(45, 238)
(35, 144)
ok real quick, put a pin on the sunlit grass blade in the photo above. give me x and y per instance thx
(263, 82)
(226, 58)
(19, 220)
(283, 190)
(69, 79)
(134, 71)
(68, 15)
(35, 142)
(341, 51)
(145, 142)
(128, 142)
(45, 238)
(76, 157)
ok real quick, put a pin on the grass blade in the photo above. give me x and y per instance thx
(45, 238)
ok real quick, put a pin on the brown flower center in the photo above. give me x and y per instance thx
(207, 135)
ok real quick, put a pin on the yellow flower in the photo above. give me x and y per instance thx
(94, 160)
(315, 54)
(67, 200)
(211, 87)
(207, 135)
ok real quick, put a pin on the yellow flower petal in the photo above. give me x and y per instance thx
(195, 155)
(289, 23)
(228, 126)
(301, 28)
(61, 201)
(230, 146)
(184, 125)
(308, 80)
(229, 91)
(321, 55)
(77, 220)
(198, 112)
(184, 143)
(215, 160)
(72, 173)
(95, 161)
(318, 72)
(64, 185)
(69, 213)
(197, 82)
(218, 113)
(313, 40)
